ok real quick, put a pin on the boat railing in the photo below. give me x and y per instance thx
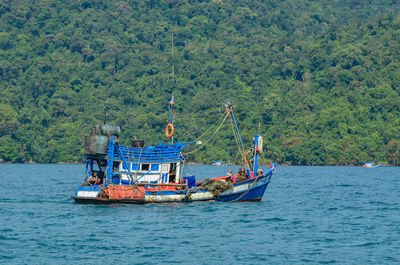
(155, 154)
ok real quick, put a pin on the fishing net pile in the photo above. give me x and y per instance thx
(216, 187)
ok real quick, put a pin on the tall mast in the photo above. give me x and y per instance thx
(229, 107)
(171, 102)
(241, 147)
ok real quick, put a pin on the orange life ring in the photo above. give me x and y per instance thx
(169, 133)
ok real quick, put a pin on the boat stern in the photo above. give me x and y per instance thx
(87, 194)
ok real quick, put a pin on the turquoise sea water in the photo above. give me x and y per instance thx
(309, 215)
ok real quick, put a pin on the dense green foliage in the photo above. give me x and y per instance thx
(320, 80)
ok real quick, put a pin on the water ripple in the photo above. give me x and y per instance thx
(309, 215)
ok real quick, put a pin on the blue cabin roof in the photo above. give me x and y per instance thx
(150, 154)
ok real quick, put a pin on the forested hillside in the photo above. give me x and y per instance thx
(320, 80)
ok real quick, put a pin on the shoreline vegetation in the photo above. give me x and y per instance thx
(188, 164)
(319, 80)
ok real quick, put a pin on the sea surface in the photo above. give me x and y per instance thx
(308, 215)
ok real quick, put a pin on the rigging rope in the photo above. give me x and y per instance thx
(219, 127)
(236, 137)
(210, 127)
(240, 147)
(190, 136)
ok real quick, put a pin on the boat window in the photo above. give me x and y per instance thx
(155, 167)
(125, 166)
(102, 164)
(165, 168)
(172, 167)
(172, 172)
(96, 167)
(135, 166)
(145, 167)
(116, 166)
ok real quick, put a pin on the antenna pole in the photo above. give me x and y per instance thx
(171, 116)
(173, 60)
(105, 117)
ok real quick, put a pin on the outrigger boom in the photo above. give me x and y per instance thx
(146, 174)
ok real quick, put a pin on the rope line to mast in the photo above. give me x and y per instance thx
(210, 127)
(219, 127)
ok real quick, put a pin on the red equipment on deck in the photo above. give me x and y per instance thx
(122, 192)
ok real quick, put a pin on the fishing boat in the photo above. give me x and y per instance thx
(371, 165)
(154, 173)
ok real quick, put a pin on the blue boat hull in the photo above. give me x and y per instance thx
(254, 194)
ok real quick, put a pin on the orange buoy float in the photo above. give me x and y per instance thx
(169, 131)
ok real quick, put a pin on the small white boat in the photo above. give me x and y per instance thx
(371, 165)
